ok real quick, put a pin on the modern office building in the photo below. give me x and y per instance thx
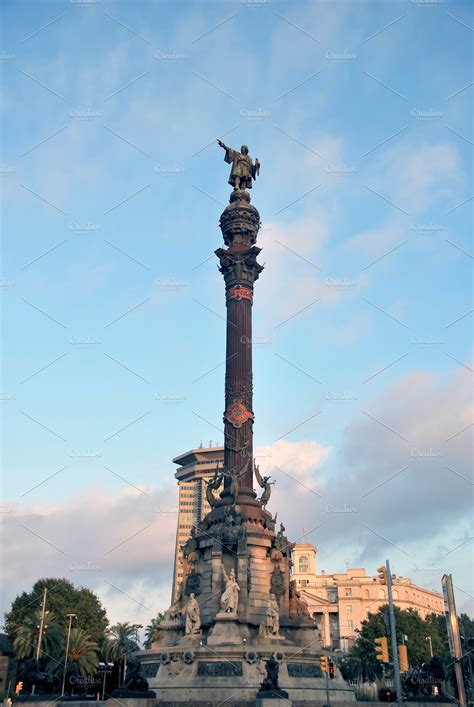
(195, 468)
(341, 601)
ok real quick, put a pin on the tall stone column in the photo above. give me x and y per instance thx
(239, 224)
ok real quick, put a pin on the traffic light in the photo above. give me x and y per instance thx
(382, 572)
(19, 687)
(403, 658)
(381, 649)
(332, 673)
(324, 663)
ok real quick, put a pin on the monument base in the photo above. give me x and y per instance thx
(270, 701)
(225, 631)
(121, 694)
(211, 675)
(272, 695)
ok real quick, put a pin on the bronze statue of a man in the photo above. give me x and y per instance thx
(243, 170)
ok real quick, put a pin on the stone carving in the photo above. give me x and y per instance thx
(174, 666)
(270, 523)
(212, 485)
(277, 582)
(230, 595)
(298, 606)
(265, 483)
(243, 170)
(149, 670)
(193, 617)
(193, 584)
(240, 448)
(134, 685)
(240, 224)
(251, 657)
(232, 528)
(282, 543)
(173, 611)
(270, 686)
(272, 619)
(239, 268)
(235, 476)
(237, 414)
(304, 670)
(249, 578)
(220, 669)
(191, 544)
(188, 657)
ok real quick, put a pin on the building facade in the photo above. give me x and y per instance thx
(195, 468)
(340, 602)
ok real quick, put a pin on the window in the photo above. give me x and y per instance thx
(349, 623)
(303, 564)
(348, 592)
(395, 594)
(349, 609)
(381, 594)
(366, 594)
(303, 582)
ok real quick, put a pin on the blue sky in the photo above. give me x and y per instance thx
(113, 185)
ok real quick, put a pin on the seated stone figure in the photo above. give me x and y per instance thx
(270, 686)
(134, 685)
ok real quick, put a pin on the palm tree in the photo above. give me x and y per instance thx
(26, 639)
(122, 642)
(83, 652)
(152, 630)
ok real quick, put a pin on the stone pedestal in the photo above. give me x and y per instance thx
(225, 631)
(131, 702)
(272, 702)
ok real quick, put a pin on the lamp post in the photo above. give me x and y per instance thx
(105, 669)
(70, 617)
(428, 638)
(41, 627)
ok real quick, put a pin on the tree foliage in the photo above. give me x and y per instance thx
(361, 660)
(83, 653)
(26, 638)
(62, 598)
(121, 643)
(152, 630)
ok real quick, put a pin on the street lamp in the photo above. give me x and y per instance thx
(428, 638)
(70, 617)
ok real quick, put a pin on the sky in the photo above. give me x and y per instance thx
(114, 310)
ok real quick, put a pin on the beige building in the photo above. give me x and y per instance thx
(340, 602)
(195, 468)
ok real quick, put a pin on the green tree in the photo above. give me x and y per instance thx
(409, 623)
(83, 652)
(62, 598)
(122, 642)
(152, 630)
(26, 639)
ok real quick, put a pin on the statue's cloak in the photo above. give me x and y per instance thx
(241, 167)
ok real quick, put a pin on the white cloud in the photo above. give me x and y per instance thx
(119, 544)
